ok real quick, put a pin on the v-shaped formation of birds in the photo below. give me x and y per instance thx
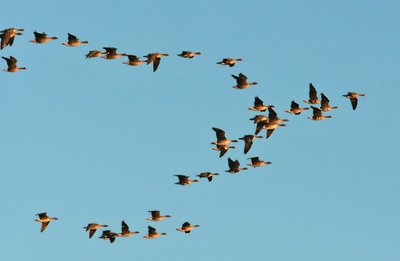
(268, 122)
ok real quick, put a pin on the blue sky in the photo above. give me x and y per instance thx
(92, 140)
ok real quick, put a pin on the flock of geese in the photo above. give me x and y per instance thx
(269, 122)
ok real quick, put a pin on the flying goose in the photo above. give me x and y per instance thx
(108, 235)
(155, 216)
(222, 149)
(188, 54)
(241, 82)
(125, 232)
(73, 41)
(184, 180)
(207, 175)
(234, 166)
(42, 38)
(155, 58)
(295, 108)
(221, 139)
(152, 234)
(259, 105)
(8, 35)
(353, 96)
(248, 141)
(256, 162)
(12, 64)
(230, 61)
(313, 96)
(111, 53)
(325, 104)
(133, 60)
(186, 227)
(317, 114)
(92, 227)
(44, 219)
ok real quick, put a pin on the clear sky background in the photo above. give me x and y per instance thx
(92, 140)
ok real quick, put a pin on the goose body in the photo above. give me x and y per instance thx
(125, 232)
(234, 166)
(186, 227)
(152, 233)
(248, 141)
(325, 104)
(313, 97)
(229, 61)
(353, 96)
(184, 180)
(295, 108)
(42, 38)
(12, 65)
(155, 216)
(208, 175)
(188, 54)
(92, 227)
(45, 220)
(256, 162)
(259, 105)
(241, 82)
(73, 41)
(221, 138)
(8, 35)
(317, 115)
(155, 58)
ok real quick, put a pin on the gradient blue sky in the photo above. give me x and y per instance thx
(99, 141)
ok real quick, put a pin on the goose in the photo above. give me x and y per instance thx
(234, 166)
(73, 41)
(325, 104)
(248, 141)
(92, 227)
(295, 108)
(8, 35)
(44, 219)
(256, 162)
(125, 232)
(272, 123)
(241, 82)
(152, 234)
(259, 105)
(186, 227)
(188, 54)
(353, 96)
(111, 53)
(93, 54)
(230, 61)
(207, 175)
(12, 65)
(155, 216)
(317, 114)
(221, 139)
(184, 180)
(223, 149)
(42, 38)
(256, 119)
(273, 117)
(133, 60)
(108, 235)
(268, 126)
(313, 96)
(155, 58)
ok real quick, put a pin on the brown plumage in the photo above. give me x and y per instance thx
(317, 114)
(295, 108)
(241, 82)
(248, 141)
(156, 216)
(256, 162)
(184, 180)
(8, 35)
(325, 104)
(45, 220)
(234, 166)
(42, 38)
(353, 96)
(155, 58)
(313, 96)
(73, 41)
(12, 64)
(230, 61)
(188, 54)
(259, 105)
